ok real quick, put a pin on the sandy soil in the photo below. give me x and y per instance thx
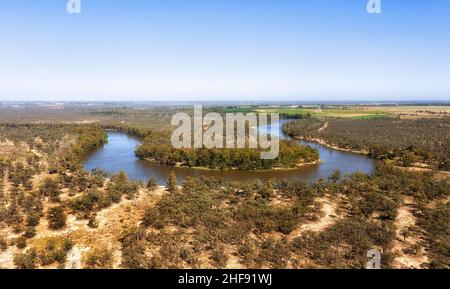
(111, 223)
(404, 219)
(442, 175)
(328, 145)
(233, 259)
(324, 127)
(6, 258)
(329, 216)
(75, 256)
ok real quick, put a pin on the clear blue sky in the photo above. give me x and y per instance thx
(224, 50)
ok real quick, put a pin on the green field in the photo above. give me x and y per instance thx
(352, 113)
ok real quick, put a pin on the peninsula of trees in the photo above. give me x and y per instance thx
(291, 155)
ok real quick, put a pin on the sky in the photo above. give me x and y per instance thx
(205, 50)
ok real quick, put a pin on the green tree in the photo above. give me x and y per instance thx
(50, 189)
(21, 242)
(152, 184)
(3, 243)
(408, 159)
(56, 218)
(25, 260)
(172, 183)
(100, 257)
(405, 233)
(335, 177)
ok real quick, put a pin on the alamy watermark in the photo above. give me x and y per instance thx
(374, 7)
(374, 261)
(73, 6)
(211, 131)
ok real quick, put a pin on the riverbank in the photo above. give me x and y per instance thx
(442, 175)
(331, 146)
(419, 167)
(298, 166)
(119, 155)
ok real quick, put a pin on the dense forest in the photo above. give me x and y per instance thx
(405, 140)
(291, 155)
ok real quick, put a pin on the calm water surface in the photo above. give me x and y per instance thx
(119, 155)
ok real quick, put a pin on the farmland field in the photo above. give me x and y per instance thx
(350, 111)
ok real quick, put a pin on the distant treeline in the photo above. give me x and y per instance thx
(88, 139)
(68, 143)
(406, 141)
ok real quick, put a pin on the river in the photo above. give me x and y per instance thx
(119, 155)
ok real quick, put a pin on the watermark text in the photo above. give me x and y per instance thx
(210, 131)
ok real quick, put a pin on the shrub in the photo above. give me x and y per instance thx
(172, 186)
(133, 249)
(151, 217)
(50, 188)
(92, 221)
(152, 184)
(25, 260)
(30, 232)
(21, 242)
(99, 257)
(33, 219)
(219, 257)
(3, 243)
(56, 218)
(53, 249)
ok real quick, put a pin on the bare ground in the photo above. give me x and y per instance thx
(405, 219)
(329, 216)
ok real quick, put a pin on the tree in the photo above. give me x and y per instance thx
(56, 218)
(21, 242)
(121, 185)
(133, 249)
(100, 257)
(50, 189)
(33, 219)
(335, 177)
(25, 260)
(405, 232)
(172, 183)
(408, 159)
(151, 216)
(30, 232)
(3, 243)
(152, 184)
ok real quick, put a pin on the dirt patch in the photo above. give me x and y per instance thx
(440, 175)
(331, 146)
(409, 254)
(75, 256)
(234, 262)
(324, 127)
(114, 220)
(328, 216)
(6, 258)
